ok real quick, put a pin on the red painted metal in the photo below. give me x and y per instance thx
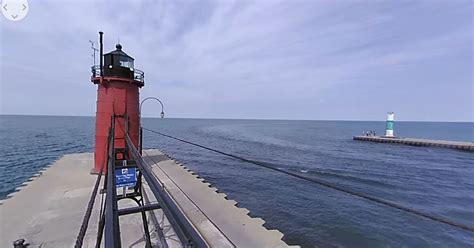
(119, 97)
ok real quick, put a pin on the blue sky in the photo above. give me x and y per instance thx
(343, 60)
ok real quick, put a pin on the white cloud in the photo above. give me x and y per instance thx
(227, 55)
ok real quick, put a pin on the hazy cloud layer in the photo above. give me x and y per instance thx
(250, 59)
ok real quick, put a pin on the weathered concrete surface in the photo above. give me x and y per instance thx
(460, 145)
(216, 218)
(48, 211)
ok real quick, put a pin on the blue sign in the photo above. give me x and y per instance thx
(126, 177)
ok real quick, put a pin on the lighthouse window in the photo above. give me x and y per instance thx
(126, 62)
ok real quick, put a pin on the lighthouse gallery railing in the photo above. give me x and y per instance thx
(138, 75)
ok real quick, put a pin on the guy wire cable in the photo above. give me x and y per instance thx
(331, 186)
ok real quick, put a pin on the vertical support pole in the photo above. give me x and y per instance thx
(101, 39)
(145, 221)
(126, 121)
(141, 141)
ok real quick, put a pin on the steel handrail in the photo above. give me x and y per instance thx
(112, 227)
(182, 226)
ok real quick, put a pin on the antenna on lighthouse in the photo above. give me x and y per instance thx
(94, 49)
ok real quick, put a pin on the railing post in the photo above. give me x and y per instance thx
(141, 140)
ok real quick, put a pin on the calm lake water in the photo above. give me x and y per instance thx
(435, 180)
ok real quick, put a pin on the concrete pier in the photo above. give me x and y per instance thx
(48, 210)
(465, 146)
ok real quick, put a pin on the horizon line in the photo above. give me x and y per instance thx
(223, 118)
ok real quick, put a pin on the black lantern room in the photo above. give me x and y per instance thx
(118, 64)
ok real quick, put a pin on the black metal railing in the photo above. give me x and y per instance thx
(181, 225)
(138, 75)
(95, 71)
(112, 227)
(109, 223)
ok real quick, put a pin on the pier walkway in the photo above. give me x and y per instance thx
(460, 145)
(48, 210)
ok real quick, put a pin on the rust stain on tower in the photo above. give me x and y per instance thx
(117, 95)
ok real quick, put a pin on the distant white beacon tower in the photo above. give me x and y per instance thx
(390, 118)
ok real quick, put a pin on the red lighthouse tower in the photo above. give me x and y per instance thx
(117, 96)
